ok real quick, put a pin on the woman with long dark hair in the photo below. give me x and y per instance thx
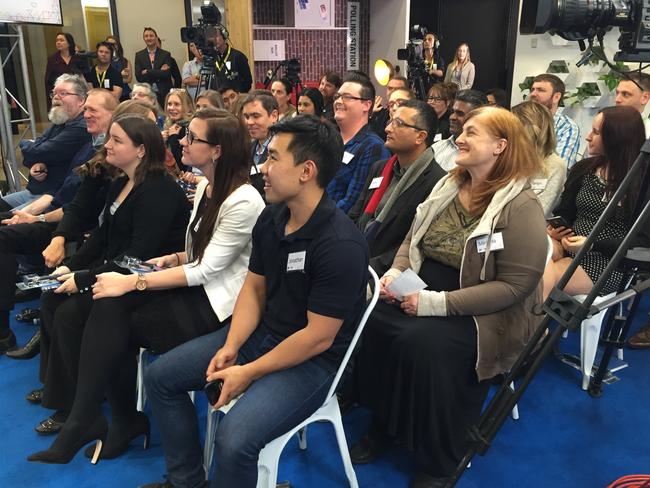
(145, 215)
(64, 60)
(192, 295)
(122, 65)
(615, 140)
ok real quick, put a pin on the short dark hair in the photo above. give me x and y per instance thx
(316, 98)
(401, 78)
(313, 139)
(107, 45)
(500, 97)
(474, 98)
(425, 117)
(269, 103)
(332, 77)
(367, 88)
(287, 84)
(641, 79)
(556, 83)
(150, 29)
(227, 85)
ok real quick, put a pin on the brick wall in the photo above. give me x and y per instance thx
(318, 50)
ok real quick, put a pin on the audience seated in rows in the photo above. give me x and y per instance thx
(440, 97)
(329, 84)
(380, 112)
(179, 107)
(260, 112)
(437, 348)
(291, 325)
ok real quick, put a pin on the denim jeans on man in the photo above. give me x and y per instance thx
(269, 408)
(20, 199)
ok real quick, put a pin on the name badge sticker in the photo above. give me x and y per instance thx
(375, 183)
(437, 137)
(538, 184)
(347, 157)
(296, 261)
(228, 65)
(495, 245)
(107, 84)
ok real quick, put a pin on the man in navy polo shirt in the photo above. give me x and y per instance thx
(293, 321)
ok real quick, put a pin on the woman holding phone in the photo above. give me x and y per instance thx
(614, 142)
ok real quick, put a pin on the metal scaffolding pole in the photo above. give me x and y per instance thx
(6, 134)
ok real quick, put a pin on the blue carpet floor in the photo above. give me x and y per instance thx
(563, 439)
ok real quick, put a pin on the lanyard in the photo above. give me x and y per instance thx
(101, 79)
(225, 60)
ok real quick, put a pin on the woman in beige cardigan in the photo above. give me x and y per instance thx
(479, 244)
(461, 71)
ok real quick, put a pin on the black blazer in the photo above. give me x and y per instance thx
(150, 222)
(163, 78)
(256, 177)
(397, 223)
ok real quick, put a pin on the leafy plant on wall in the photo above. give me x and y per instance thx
(582, 93)
(612, 78)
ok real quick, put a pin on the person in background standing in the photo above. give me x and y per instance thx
(62, 61)
(461, 71)
(122, 65)
(192, 71)
(433, 61)
(153, 65)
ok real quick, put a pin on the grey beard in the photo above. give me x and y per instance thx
(58, 115)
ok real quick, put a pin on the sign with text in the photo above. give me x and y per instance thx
(269, 50)
(314, 13)
(352, 48)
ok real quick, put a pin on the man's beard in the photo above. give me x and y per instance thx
(58, 115)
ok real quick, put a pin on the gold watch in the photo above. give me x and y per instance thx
(141, 283)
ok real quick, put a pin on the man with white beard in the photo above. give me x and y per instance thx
(48, 157)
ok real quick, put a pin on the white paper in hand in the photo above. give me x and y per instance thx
(406, 284)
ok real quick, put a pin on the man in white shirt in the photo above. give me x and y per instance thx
(446, 150)
(548, 90)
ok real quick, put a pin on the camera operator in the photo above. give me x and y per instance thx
(232, 65)
(434, 64)
(191, 72)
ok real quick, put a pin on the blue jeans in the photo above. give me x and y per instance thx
(20, 199)
(271, 406)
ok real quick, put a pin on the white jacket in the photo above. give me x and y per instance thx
(223, 268)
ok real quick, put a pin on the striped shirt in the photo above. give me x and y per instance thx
(445, 153)
(567, 133)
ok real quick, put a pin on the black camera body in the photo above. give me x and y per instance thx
(413, 54)
(204, 33)
(577, 20)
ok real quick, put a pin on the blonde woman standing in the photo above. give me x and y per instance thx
(461, 71)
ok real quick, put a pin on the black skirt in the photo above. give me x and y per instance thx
(417, 375)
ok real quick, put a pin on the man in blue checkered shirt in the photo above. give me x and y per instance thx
(352, 105)
(548, 90)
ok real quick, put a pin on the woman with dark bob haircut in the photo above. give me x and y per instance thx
(144, 216)
(193, 294)
(615, 140)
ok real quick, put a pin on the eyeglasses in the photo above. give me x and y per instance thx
(348, 98)
(191, 139)
(436, 99)
(62, 94)
(396, 103)
(399, 123)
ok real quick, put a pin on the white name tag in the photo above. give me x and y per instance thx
(495, 245)
(254, 169)
(296, 261)
(347, 157)
(107, 84)
(538, 184)
(437, 137)
(228, 64)
(375, 183)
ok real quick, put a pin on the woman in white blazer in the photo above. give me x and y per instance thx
(193, 294)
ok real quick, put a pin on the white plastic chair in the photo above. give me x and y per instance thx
(141, 395)
(267, 465)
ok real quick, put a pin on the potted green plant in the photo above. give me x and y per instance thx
(559, 68)
(526, 85)
(586, 95)
(611, 78)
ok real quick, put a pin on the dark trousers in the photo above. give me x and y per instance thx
(112, 333)
(20, 239)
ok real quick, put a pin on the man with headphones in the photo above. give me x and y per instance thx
(232, 65)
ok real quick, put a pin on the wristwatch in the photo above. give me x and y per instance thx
(141, 283)
(41, 217)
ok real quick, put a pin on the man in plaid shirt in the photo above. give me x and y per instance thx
(352, 105)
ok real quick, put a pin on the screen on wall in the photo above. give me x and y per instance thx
(31, 12)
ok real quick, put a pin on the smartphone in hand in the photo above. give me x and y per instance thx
(213, 391)
(557, 222)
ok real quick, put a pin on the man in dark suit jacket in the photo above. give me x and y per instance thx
(155, 66)
(395, 187)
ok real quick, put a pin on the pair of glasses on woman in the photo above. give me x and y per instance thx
(191, 139)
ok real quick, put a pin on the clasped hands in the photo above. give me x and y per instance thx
(236, 378)
(409, 303)
(38, 171)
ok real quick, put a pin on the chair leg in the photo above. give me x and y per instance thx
(210, 431)
(267, 464)
(589, 336)
(515, 409)
(141, 395)
(192, 395)
(302, 438)
(337, 422)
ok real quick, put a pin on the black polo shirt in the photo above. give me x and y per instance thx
(108, 81)
(321, 268)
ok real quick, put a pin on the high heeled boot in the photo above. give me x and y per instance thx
(120, 435)
(72, 438)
